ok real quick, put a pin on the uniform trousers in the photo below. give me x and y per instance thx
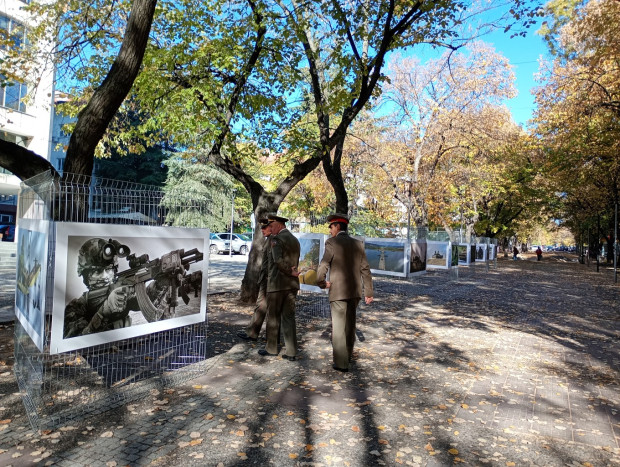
(343, 330)
(281, 309)
(260, 311)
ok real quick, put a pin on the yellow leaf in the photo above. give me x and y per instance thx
(197, 386)
(5, 421)
(289, 413)
(456, 433)
(209, 416)
(465, 406)
(241, 454)
(383, 441)
(292, 456)
(428, 447)
(195, 442)
(309, 447)
(510, 464)
(355, 428)
(239, 433)
(381, 427)
(274, 416)
(230, 417)
(453, 451)
(442, 407)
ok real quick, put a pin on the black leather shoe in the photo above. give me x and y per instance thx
(344, 370)
(244, 335)
(290, 359)
(264, 353)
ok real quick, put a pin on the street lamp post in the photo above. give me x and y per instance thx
(232, 221)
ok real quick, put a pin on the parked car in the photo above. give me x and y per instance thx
(8, 233)
(240, 243)
(217, 244)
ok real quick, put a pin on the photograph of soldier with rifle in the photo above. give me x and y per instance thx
(126, 281)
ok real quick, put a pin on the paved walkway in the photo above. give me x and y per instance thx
(517, 366)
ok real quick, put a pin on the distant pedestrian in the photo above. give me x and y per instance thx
(538, 254)
(515, 253)
(280, 269)
(348, 267)
(260, 310)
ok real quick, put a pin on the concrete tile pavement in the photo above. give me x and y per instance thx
(510, 367)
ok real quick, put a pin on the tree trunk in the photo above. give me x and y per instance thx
(333, 172)
(21, 162)
(249, 284)
(94, 119)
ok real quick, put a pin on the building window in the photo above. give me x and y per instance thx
(23, 141)
(13, 30)
(12, 94)
(8, 199)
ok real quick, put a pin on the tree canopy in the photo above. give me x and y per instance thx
(578, 117)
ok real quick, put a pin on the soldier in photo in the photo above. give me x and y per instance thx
(112, 295)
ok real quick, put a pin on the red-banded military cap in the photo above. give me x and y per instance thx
(338, 218)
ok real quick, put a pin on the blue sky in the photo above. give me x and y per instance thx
(523, 53)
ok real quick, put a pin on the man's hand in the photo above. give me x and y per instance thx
(294, 271)
(368, 300)
(114, 306)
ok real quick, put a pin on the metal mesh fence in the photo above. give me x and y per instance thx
(60, 387)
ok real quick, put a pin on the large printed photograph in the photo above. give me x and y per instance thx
(463, 250)
(492, 252)
(115, 282)
(32, 243)
(481, 252)
(417, 260)
(312, 247)
(437, 254)
(387, 256)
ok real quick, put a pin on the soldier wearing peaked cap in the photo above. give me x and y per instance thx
(280, 269)
(348, 267)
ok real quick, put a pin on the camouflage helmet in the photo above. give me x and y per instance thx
(98, 253)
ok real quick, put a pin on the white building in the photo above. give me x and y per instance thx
(60, 140)
(25, 105)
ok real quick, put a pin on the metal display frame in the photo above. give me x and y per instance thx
(66, 386)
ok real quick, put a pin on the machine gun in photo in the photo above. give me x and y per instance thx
(170, 279)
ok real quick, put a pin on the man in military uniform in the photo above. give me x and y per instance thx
(345, 259)
(90, 313)
(280, 269)
(260, 311)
